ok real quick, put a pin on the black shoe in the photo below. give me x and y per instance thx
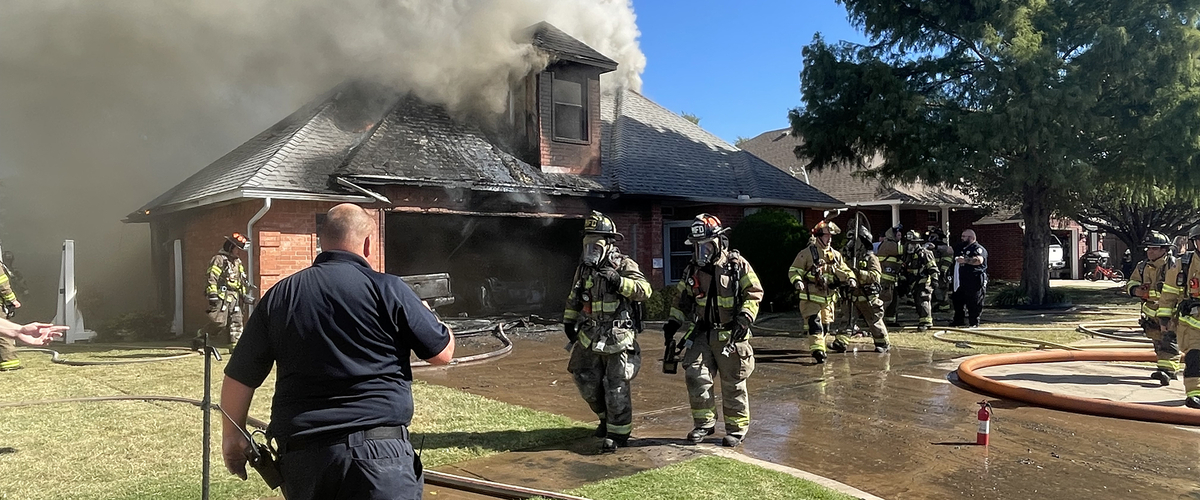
(1192, 402)
(956, 324)
(922, 328)
(838, 347)
(730, 440)
(608, 446)
(883, 348)
(602, 429)
(1163, 377)
(698, 434)
(819, 356)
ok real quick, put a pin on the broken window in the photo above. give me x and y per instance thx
(570, 110)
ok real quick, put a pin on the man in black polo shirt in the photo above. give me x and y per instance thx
(970, 280)
(340, 336)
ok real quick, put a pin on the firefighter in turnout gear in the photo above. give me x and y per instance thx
(865, 297)
(816, 273)
(891, 254)
(719, 297)
(8, 306)
(920, 272)
(601, 321)
(1179, 308)
(1146, 282)
(228, 289)
(945, 262)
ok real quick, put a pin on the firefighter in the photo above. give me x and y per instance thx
(816, 273)
(868, 273)
(601, 322)
(719, 297)
(8, 305)
(1179, 307)
(228, 290)
(890, 254)
(945, 261)
(1146, 283)
(920, 272)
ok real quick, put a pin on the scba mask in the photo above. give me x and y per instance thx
(704, 252)
(595, 249)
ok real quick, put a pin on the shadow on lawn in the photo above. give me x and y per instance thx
(502, 441)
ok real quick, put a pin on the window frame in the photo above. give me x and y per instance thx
(667, 254)
(583, 107)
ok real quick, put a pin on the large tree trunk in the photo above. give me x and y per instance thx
(1035, 272)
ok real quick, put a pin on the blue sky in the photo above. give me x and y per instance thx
(736, 65)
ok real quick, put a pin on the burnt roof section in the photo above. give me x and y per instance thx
(418, 143)
(648, 150)
(550, 39)
(298, 154)
(778, 147)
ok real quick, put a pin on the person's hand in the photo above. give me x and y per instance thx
(250, 300)
(960, 260)
(741, 328)
(40, 333)
(669, 330)
(572, 333)
(213, 301)
(233, 450)
(799, 284)
(15, 304)
(612, 277)
(852, 283)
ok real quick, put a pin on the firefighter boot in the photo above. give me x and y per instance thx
(730, 440)
(602, 429)
(1163, 377)
(1193, 402)
(882, 348)
(611, 443)
(697, 435)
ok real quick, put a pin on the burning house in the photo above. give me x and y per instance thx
(498, 204)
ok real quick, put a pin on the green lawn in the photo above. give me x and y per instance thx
(708, 478)
(117, 450)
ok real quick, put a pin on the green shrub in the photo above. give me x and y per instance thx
(135, 326)
(659, 305)
(770, 240)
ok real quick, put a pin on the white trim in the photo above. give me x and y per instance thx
(250, 194)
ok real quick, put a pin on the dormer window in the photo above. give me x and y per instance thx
(570, 110)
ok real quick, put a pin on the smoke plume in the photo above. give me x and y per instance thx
(104, 104)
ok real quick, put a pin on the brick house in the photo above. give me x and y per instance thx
(499, 209)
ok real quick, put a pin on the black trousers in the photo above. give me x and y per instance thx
(969, 297)
(353, 468)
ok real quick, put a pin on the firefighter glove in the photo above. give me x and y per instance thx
(799, 284)
(249, 299)
(612, 277)
(572, 333)
(214, 301)
(669, 330)
(852, 283)
(741, 327)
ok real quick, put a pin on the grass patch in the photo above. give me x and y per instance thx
(128, 450)
(707, 478)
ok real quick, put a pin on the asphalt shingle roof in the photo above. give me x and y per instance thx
(777, 148)
(418, 143)
(297, 154)
(648, 150)
(546, 37)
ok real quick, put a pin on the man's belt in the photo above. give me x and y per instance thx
(304, 442)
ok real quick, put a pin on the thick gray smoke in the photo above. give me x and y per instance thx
(105, 104)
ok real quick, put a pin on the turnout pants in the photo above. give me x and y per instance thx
(922, 295)
(603, 381)
(970, 299)
(1189, 343)
(704, 363)
(887, 295)
(8, 354)
(1166, 348)
(819, 316)
(870, 310)
(352, 467)
(219, 321)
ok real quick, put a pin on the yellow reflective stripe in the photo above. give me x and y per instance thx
(10, 364)
(1192, 322)
(677, 315)
(212, 289)
(738, 421)
(215, 270)
(1154, 294)
(1169, 365)
(1150, 311)
(606, 307)
(888, 277)
(705, 414)
(1165, 312)
(751, 308)
(570, 314)
(748, 279)
(1170, 289)
(725, 302)
(625, 287)
(620, 430)
(1193, 392)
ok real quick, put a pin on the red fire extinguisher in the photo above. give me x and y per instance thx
(985, 419)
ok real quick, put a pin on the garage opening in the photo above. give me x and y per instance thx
(497, 264)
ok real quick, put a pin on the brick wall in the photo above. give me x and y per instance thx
(1005, 250)
(284, 242)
